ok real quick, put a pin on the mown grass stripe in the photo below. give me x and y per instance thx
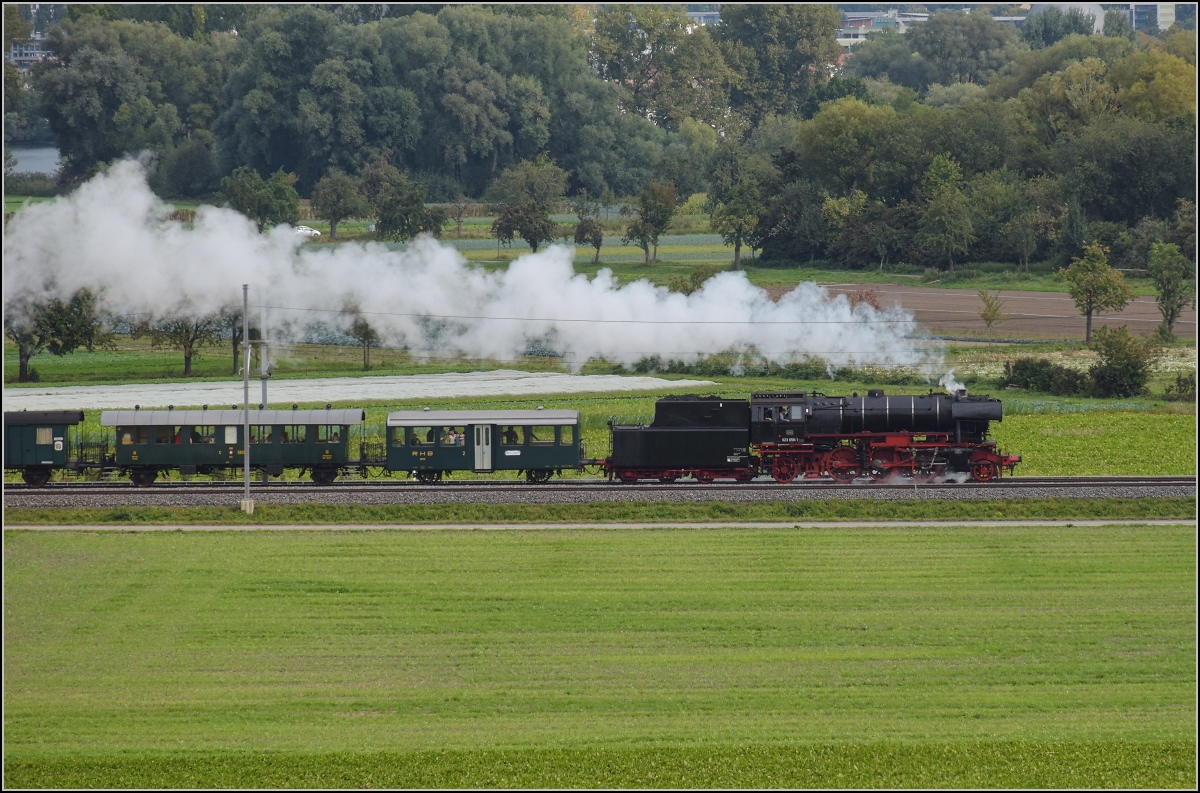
(619, 512)
(999, 764)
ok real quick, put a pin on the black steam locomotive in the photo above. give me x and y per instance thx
(789, 434)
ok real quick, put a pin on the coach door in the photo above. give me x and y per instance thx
(483, 447)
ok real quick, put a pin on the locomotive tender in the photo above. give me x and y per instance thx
(924, 437)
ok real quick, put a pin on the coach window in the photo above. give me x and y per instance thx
(512, 436)
(453, 436)
(329, 433)
(260, 433)
(139, 436)
(567, 434)
(206, 434)
(45, 436)
(423, 436)
(397, 436)
(295, 433)
(541, 436)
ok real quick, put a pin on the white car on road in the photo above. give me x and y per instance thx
(306, 231)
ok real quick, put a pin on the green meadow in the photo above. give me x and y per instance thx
(848, 657)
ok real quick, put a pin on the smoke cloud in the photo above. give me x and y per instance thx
(113, 236)
(951, 384)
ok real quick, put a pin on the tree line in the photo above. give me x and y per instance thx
(960, 140)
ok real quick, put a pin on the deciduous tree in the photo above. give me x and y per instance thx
(1175, 282)
(1095, 286)
(652, 214)
(366, 336)
(181, 331)
(589, 231)
(402, 213)
(269, 201)
(992, 310)
(336, 198)
(1050, 25)
(53, 324)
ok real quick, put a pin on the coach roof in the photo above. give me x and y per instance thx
(204, 418)
(427, 418)
(44, 417)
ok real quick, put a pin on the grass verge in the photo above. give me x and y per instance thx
(945, 656)
(618, 512)
(992, 764)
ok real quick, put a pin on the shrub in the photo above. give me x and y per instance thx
(1183, 390)
(38, 185)
(1124, 365)
(686, 284)
(695, 205)
(1036, 374)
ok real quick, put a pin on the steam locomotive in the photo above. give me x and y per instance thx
(790, 434)
(781, 434)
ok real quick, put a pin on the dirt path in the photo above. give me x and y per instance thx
(1029, 315)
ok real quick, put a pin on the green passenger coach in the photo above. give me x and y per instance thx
(36, 442)
(202, 441)
(432, 443)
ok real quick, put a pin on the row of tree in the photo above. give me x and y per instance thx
(958, 140)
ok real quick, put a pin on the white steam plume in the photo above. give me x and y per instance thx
(951, 384)
(112, 235)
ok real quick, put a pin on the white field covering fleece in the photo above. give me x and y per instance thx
(352, 390)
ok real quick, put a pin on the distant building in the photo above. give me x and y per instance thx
(703, 13)
(857, 25)
(1160, 16)
(26, 54)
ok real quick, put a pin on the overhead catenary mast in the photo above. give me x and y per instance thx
(247, 502)
(264, 370)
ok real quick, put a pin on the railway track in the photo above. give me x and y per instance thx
(378, 485)
(67, 494)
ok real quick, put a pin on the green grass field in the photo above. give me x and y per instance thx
(662, 658)
(602, 512)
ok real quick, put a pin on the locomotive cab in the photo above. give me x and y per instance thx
(779, 417)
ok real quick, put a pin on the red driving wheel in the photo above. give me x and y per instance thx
(784, 469)
(842, 464)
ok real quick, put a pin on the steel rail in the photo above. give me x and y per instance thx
(576, 485)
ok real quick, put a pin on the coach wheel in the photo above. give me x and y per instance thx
(429, 477)
(36, 477)
(784, 469)
(323, 476)
(983, 472)
(668, 480)
(628, 477)
(143, 478)
(842, 464)
(537, 477)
